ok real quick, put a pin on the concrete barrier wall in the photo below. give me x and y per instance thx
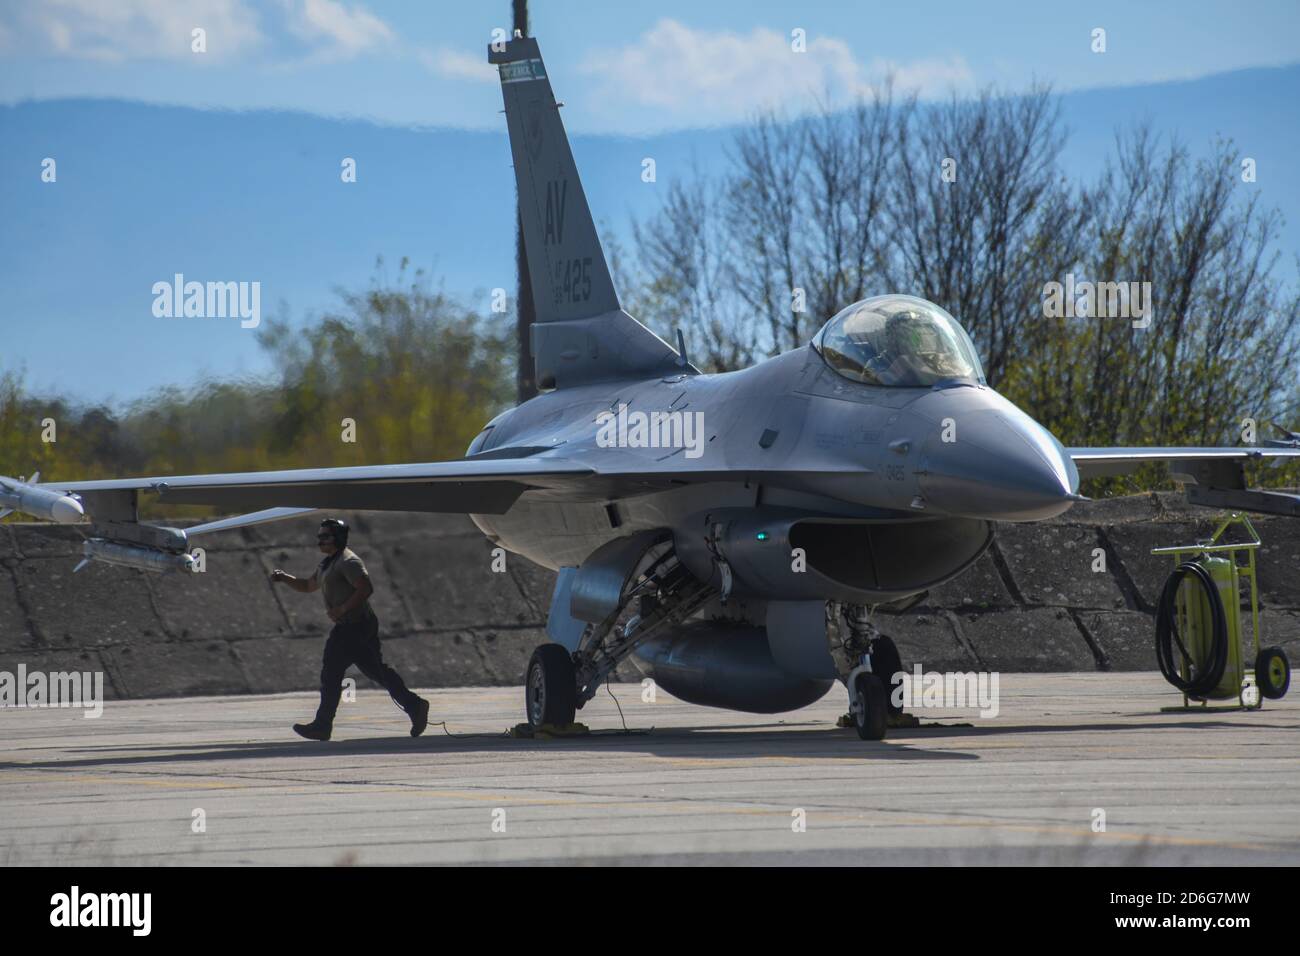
(1033, 603)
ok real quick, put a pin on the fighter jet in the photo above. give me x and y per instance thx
(737, 531)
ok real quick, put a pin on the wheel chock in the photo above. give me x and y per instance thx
(904, 721)
(893, 720)
(547, 731)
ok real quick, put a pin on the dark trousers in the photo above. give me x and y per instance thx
(357, 643)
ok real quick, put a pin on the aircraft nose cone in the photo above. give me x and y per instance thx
(1001, 465)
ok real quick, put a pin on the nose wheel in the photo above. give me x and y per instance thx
(869, 706)
(885, 663)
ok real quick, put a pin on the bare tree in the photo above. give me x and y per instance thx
(850, 163)
(981, 216)
(801, 209)
(964, 203)
(764, 211)
(686, 252)
(1222, 343)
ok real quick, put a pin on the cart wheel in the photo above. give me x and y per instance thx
(1272, 672)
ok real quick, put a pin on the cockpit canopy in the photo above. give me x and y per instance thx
(899, 341)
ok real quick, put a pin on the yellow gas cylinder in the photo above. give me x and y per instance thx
(1199, 635)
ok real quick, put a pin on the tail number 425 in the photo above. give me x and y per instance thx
(572, 280)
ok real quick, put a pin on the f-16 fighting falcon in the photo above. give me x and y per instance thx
(735, 531)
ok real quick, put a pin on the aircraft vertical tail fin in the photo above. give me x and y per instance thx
(581, 333)
(570, 277)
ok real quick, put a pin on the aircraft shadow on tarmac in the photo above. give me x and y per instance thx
(729, 742)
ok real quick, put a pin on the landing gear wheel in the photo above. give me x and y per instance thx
(885, 663)
(1272, 672)
(870, 707)
(550, 687)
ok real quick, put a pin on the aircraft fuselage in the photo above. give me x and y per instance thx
(789, 437)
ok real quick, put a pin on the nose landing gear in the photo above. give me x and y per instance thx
(868, 661)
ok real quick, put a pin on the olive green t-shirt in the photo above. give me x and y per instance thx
(339, 576)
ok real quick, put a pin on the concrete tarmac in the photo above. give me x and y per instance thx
(703, 786)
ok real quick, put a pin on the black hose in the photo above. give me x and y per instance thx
(1204, 676)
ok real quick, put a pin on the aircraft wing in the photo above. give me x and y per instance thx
(481, 486)
(1100, 462)
(492, 483)
(1213, 477)
(486, 484)
(489, 485)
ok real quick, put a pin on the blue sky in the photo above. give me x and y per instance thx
(236, 175)
(715, 62)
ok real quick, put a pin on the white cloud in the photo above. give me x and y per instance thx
(132, 29)
(695, 76)
(120, 30)
(459, 65)
(929, 77)
(341, 30)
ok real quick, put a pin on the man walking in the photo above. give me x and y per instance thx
(342, 579)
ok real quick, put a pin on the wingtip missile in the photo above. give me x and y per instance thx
(38, 502)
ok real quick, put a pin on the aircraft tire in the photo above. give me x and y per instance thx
(551, 687)
(885, 663)
(870, 720)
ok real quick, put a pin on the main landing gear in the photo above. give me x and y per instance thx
(558, 683)
(551, 690)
